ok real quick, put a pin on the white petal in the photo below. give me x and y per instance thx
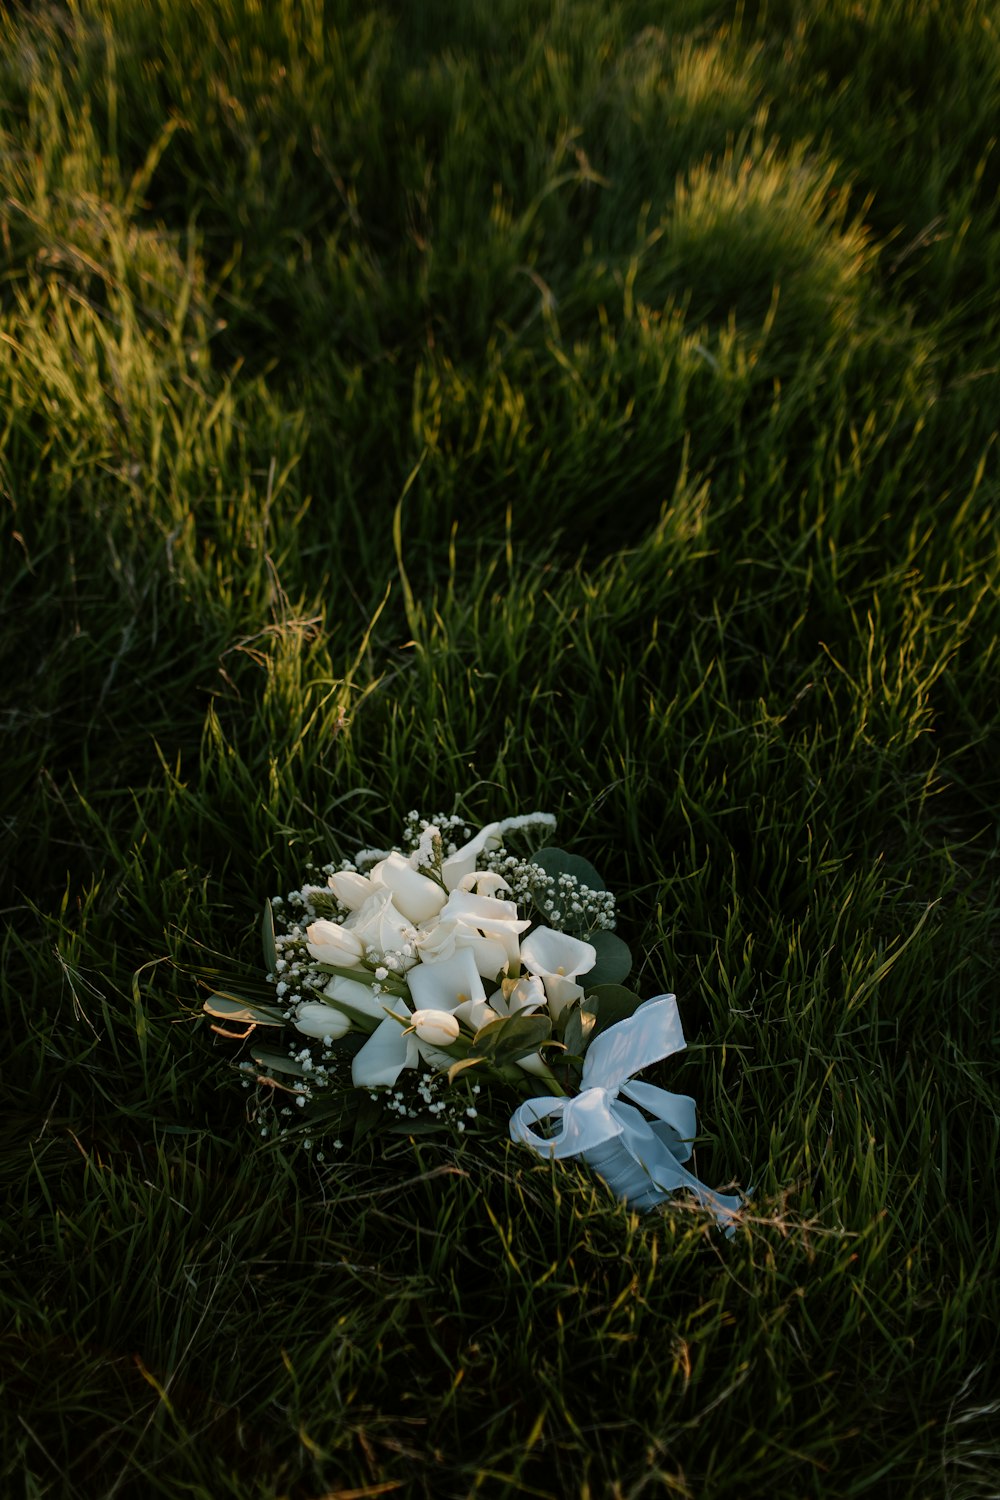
(384, 1056)
(546, 951)
(463, 861)
(416, 896)
(483, 883)
(436, 941)
(444, 985)
(330, 943)
(322, 1021)
(527, 993)
(356, 996)
(491, 956)
(559, 993)
(379, 924)
(475, 1014)
(350, 888)
(534, 1063)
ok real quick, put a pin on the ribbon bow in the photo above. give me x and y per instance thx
(639, 1160)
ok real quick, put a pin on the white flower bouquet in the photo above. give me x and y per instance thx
(420, 982)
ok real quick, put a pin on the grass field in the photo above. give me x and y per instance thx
(671, 335)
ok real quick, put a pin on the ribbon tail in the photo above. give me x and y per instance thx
(671, 1175)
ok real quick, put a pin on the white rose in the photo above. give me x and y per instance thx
(379, 924)
(489, 927)
(435, 941)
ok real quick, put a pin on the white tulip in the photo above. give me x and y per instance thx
(350, 888)
(321, 1021)
(332, 943)
(438, 1027)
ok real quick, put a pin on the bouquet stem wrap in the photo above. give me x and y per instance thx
(640, 1160)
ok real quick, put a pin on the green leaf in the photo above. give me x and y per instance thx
(578, 1030)
(557, 862)
(511, 1037)
(369, 1114)
(267, 937)
(614, 959)
(610, 1003)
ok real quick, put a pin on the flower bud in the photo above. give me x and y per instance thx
(437, 1028)
(321, 1021)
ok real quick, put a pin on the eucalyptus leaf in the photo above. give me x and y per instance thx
(557, 862)
(578, 1030)
(267, 938)
(609, 1004)
(614, 959)
(278, 1062)
(245, 1012)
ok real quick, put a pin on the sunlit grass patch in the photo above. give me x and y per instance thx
(678, 337)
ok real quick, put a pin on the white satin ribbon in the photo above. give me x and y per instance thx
(640, 1160)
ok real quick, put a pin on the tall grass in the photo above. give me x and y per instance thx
(671, 337)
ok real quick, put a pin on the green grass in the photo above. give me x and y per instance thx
(679, 330)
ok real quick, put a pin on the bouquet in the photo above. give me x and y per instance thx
(420, 985)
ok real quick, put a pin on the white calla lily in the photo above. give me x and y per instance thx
(353, 996)
(463, 861)
(557, 960)
(515, 995)
(483, 883)
(388, 1050)
(446, 985)
(535, 1064)
(475, 1014)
